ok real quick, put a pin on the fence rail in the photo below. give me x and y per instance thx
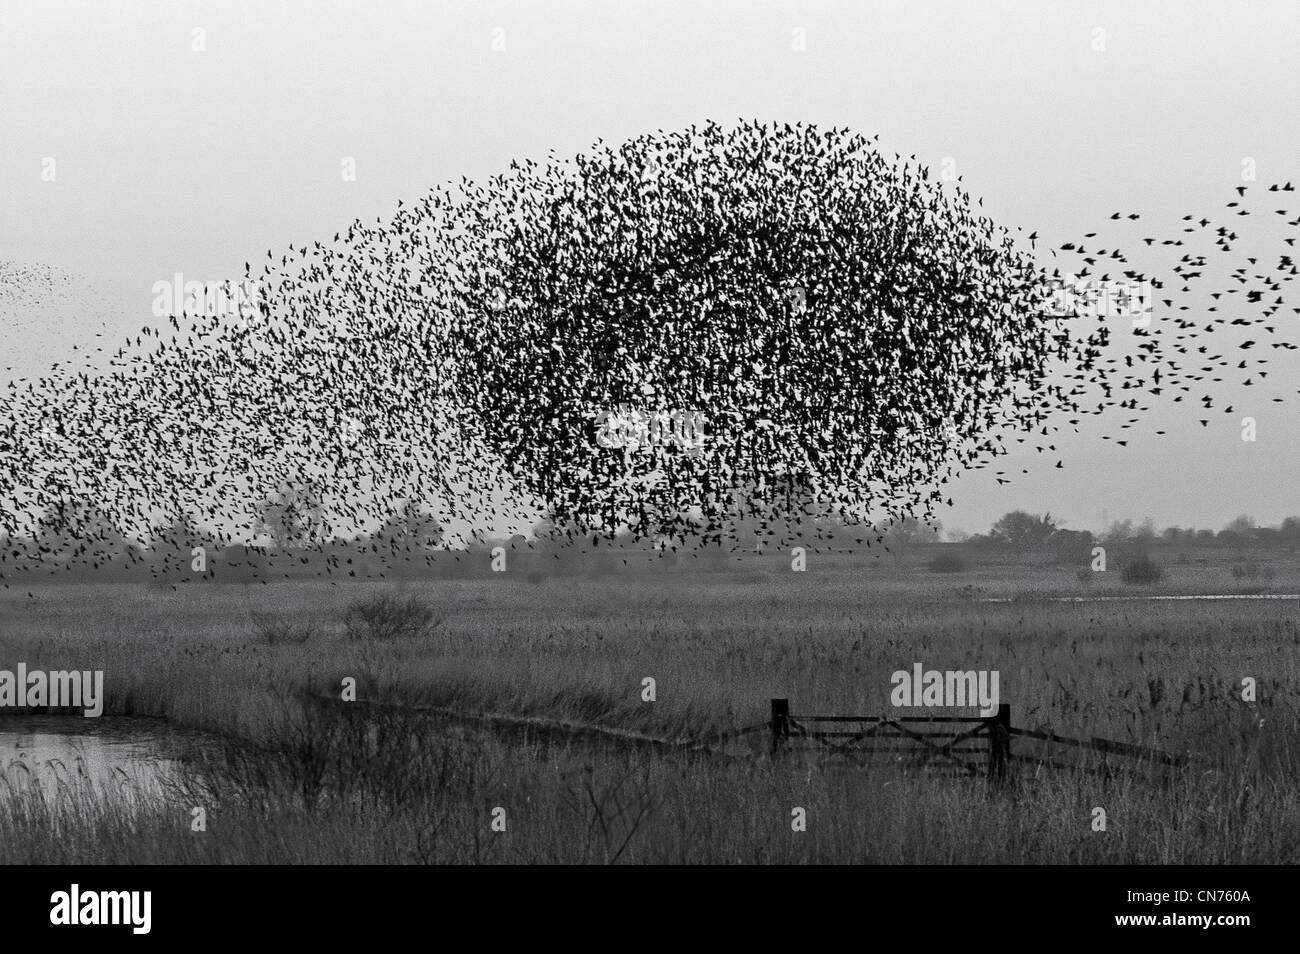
(951, 749)
(711, 744)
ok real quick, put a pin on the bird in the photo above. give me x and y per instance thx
(830, 309)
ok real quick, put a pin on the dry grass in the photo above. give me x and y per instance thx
(296, 788)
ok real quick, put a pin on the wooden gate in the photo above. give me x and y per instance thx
(961, 746)
(968, 746)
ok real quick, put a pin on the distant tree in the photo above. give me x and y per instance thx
(293, 517)
(75, 531)
(135, 553)
(1243, 526)
(545, 531)
(1023, 530)
(1119, 531)
(52, 537)
(171, 547)
(1182, 536)
(746, 528)
(409, 528)
(1237, 532)
(902, 533)
(777, 515)
(1290, 530)
(1071, 546)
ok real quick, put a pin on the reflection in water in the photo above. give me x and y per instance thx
(132, 756)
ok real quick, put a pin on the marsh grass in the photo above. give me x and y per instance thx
(297, 782)
(277, 629)
(408, 791)
(948, 563)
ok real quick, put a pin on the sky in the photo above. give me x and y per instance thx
(193, 152)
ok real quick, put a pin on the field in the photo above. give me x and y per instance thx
(294, 782)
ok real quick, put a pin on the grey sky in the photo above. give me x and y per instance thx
(174, 160)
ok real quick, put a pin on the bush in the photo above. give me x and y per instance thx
(275, 629)
(948, 563)
(387, 617)
(1141, 569)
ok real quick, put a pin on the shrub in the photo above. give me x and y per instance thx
(275, 629)
(1141, 569)
(387, 617)
(948, 563)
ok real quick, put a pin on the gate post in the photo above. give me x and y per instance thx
(780, 723)
(999, 744)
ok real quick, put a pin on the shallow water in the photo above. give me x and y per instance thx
(1138, 599)
(123, 754)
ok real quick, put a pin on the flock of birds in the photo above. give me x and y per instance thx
(852, 332)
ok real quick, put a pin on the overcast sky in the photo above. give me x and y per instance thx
(172, 159)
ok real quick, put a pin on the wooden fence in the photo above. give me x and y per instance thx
(946, 742)
(964, 746)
